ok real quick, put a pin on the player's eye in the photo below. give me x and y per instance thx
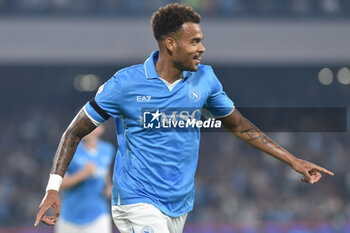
(195, 41)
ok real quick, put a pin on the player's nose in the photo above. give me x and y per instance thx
(201, 48)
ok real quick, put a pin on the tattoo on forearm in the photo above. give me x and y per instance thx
(253, 134)
(80, 127)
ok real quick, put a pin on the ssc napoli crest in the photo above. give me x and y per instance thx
(147, 229)
(194, 95)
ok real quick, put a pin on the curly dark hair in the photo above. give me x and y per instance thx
(170, 18)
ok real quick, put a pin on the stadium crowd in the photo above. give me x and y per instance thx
(231, 8)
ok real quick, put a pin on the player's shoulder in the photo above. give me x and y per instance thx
(125, 77)
(122, 80)
(130, 72)
(204, 70)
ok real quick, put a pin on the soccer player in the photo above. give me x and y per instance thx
(86, 187)
(153, 182)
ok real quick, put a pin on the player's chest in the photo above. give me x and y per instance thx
(157, 94)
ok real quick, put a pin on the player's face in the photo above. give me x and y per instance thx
(189, 48)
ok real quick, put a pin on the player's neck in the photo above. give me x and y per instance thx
(166, 70)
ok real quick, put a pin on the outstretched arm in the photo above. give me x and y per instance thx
(79, 127)
(249, 133)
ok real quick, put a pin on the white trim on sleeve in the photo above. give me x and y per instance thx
(227, 113)
(92, 119)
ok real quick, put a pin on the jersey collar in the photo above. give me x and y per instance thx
(150, 69)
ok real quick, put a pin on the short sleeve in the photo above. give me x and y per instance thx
(218, 103)
(107, 102)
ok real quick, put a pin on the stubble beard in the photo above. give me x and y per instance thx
(182, 67)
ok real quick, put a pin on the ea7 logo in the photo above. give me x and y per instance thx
(143, 98)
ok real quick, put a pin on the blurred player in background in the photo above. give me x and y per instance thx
(154, 171)
(86, 188)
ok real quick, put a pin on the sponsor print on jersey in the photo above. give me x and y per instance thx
(143, 98)
(176, 119)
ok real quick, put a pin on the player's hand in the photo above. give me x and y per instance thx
(312, 172)
(89, 169)
(51, 200)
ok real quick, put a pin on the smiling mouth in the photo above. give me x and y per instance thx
(197, 58)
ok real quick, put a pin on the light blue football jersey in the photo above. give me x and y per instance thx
(156, 165)
(85, 202)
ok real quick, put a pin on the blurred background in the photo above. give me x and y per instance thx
(267, 53)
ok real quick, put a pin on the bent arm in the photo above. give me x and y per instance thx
(78, 128)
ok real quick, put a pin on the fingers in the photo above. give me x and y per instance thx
(51, 200)
(40, 214)
(57, 211)
(307, 177)
(314, 177)
(37, 221)
(318, 176)
(49, 220)
(324, 170)
(311, 172)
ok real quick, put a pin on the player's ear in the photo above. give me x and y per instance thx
(170, 44)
